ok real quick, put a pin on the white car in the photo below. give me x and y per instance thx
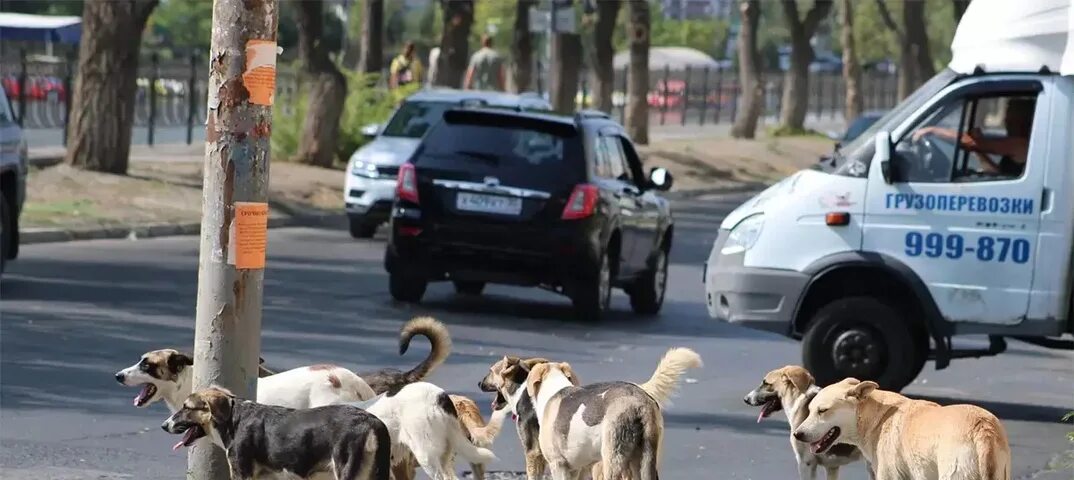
(949, 216)
(369, 188)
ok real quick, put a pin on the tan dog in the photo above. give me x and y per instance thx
(791, 389)
(482, 434)
(908, 439)
(616, 425)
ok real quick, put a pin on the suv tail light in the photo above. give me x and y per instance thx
(406, 184)
(582, 202)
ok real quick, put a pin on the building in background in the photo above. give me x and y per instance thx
(696, 9)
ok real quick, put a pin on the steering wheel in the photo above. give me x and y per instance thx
(929, 159)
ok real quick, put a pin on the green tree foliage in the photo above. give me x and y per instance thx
(883, 44)
(40, 7)
(706, 35)
(183, 25)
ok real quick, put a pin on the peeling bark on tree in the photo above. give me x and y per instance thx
(751, 100)
(566, 67)
(328, 88)
(102, 106)
(851, 67)
(454, 43)
(522, 47)
(796, 80)
(604, 53)
(637, 106)
(371, 56)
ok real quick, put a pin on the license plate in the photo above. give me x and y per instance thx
(472, 202)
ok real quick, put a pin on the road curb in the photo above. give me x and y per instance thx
(55, 235)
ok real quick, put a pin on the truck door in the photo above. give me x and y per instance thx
(961, 201)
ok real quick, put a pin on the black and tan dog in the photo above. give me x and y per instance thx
(507, 379)
(614, 428)
(340, 440)
(791, 389)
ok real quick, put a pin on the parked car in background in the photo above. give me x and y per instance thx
(859, 125)
(14, 165)
(369, 188)
(531, 199)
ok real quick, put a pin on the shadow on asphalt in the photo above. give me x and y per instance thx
(1007, 411)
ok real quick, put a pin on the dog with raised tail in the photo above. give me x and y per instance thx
(791, 389)
(167, 375)
(614, 428)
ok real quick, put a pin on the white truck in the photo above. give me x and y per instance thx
(952, 215)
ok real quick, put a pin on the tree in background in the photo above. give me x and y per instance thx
(604, 54)
(184, 25)
(522, 46)
(915, 60)
(102, 108)
(327, 91)
(851, 67)
(749, 71)
(371, 56)
(454, 42)
(959, 8)
(637, 106)
(796, 80)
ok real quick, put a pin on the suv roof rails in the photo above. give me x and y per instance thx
(584, 114)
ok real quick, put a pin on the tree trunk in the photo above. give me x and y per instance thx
(328, 88)
(917, 35)
(851, 67)
(637, 107)
(959, 8)
(566, 67)
(454, 43)
(522, 47)
(751, 101)
(604, 53)
(796, 80)
(102, 107)
(371, 56)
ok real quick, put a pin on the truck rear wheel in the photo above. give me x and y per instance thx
(861, 337)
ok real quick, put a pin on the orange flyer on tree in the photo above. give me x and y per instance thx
(260, 74)
(251, 234)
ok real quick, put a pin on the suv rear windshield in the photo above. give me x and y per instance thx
(519, 151)
(414, 118)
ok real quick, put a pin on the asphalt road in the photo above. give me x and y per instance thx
(75, 313)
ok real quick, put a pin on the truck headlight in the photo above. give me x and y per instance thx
(743, 235)
(363, 169)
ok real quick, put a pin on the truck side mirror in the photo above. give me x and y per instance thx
(883, 156)
(371, 130)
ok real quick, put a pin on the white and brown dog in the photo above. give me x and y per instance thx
(903, 438)
(614, 428)
(426, 429)
(166, 375)
(791, 389)
(507, 379)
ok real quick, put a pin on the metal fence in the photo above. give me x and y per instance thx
(171, 94)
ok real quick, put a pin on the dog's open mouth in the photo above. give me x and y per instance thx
(499, 402)
(145, 394)
(825, 442)
(769, 407)
(190, 436)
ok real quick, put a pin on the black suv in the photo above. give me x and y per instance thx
(531, 199)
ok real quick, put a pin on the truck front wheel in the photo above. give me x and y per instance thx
(861, 337)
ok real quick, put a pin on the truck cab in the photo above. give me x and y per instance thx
(951, 215)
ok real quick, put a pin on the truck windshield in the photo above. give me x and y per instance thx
(853, 159)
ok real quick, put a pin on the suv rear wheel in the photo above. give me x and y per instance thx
(861, 337)
(406, 288)
(647, 294)
(361, 228)
(593, 295)
(469, 288)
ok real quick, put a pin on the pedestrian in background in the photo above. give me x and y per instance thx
(405, 68)
(434, 65)
(486, 68)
